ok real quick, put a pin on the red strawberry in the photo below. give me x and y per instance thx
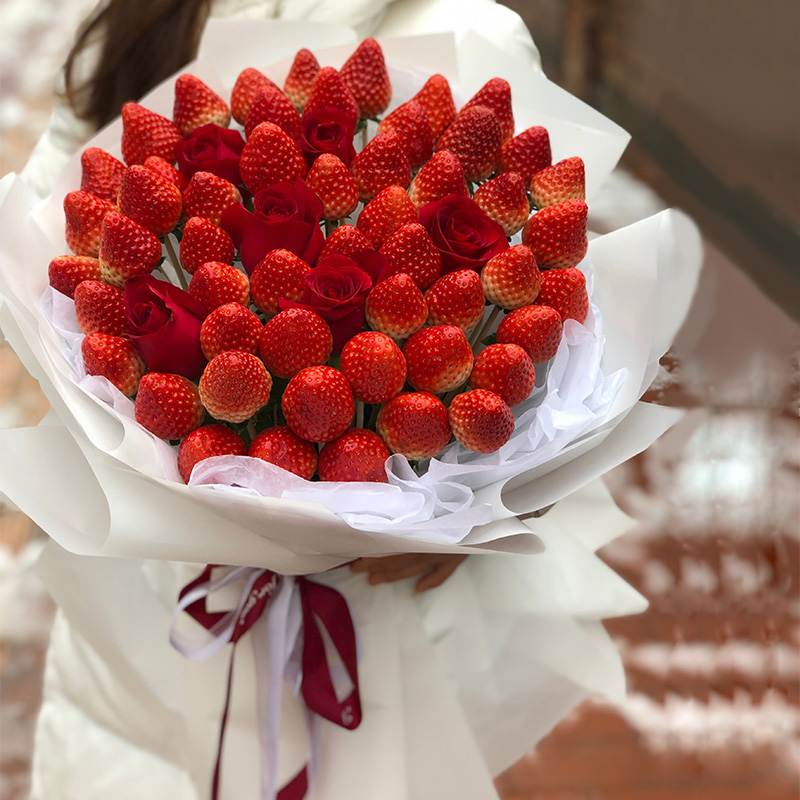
(215, 284)
(206, 442)
(115, 359)
(565, 180)
(409, 122)
(249, 83)
(279, 446)
(441, 176)
(496, 95)
(196, 105)
(415, 425)
(536, 329)
(168, 405)
(100, 308)
(207, 195)
(439, 359)
(329, 90)
(526, 153)
(481, 420)
(504, 200)
(396, 307)
(385, 214)
(366, 76)
(66, 272)
(270, 156)
(293, 340)
(300, 78)
(456, 299)
(230, 327)
(150, 200)
(382, 163)
(272, 105)
(475, 138)
(203, 242)
(335, 185)
(557, 235)
(436, 100)
(411, 250)
(318, 404)
(375, 367)
(565, 291)
(145, 133)
(234, 385)
(280, 273)
(101, 174)
(126, 249)
(357, 455)
(346, 240)
(506, 370)
(84, 214)
(511, 279)
(165, 170)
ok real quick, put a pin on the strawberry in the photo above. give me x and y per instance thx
(557, 235)
(203, 242)
(145, 133)
(126, 249)
(207, 196)
(249, 83)
(115, 359)
(335, 185)
(385, 214)
(526, 153)
(366, 76)
(270, 156)
(456, 299)
(293, 340)
(439, 359)
(300, 78)
(279, 446)
(565, 180)
(411, 250)
(441, 176)
(318, 404)
(272, 105)
(234, 385)
(481, 420)
(511, 279)
(100, 308)
(101, 174)
(346, 240)
(506, 370)
(375, 367)
(415, 425)
(168, 405)
(152, 201)
(409, 122)
(216, 284)
(382, 163)
(280, 273)
(436, 100)
(165, 170)
(565, 291)
(357, 455)
(66, 272)
(396, 307)
(196, 105)
(230, 327)
(536, 329)
(475, 138)
(504, 200)
(496, 95)
(329, 90)
(206, 442)
(84, 214)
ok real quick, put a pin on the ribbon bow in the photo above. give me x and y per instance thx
(295, 607)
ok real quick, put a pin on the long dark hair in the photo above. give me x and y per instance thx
(143, 42)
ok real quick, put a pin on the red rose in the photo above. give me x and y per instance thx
(164, 322)
(284, 215)
(211, 148)
(327, 130)
(337, 290)
(465, 236)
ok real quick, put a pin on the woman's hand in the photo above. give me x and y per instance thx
(435, 568)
